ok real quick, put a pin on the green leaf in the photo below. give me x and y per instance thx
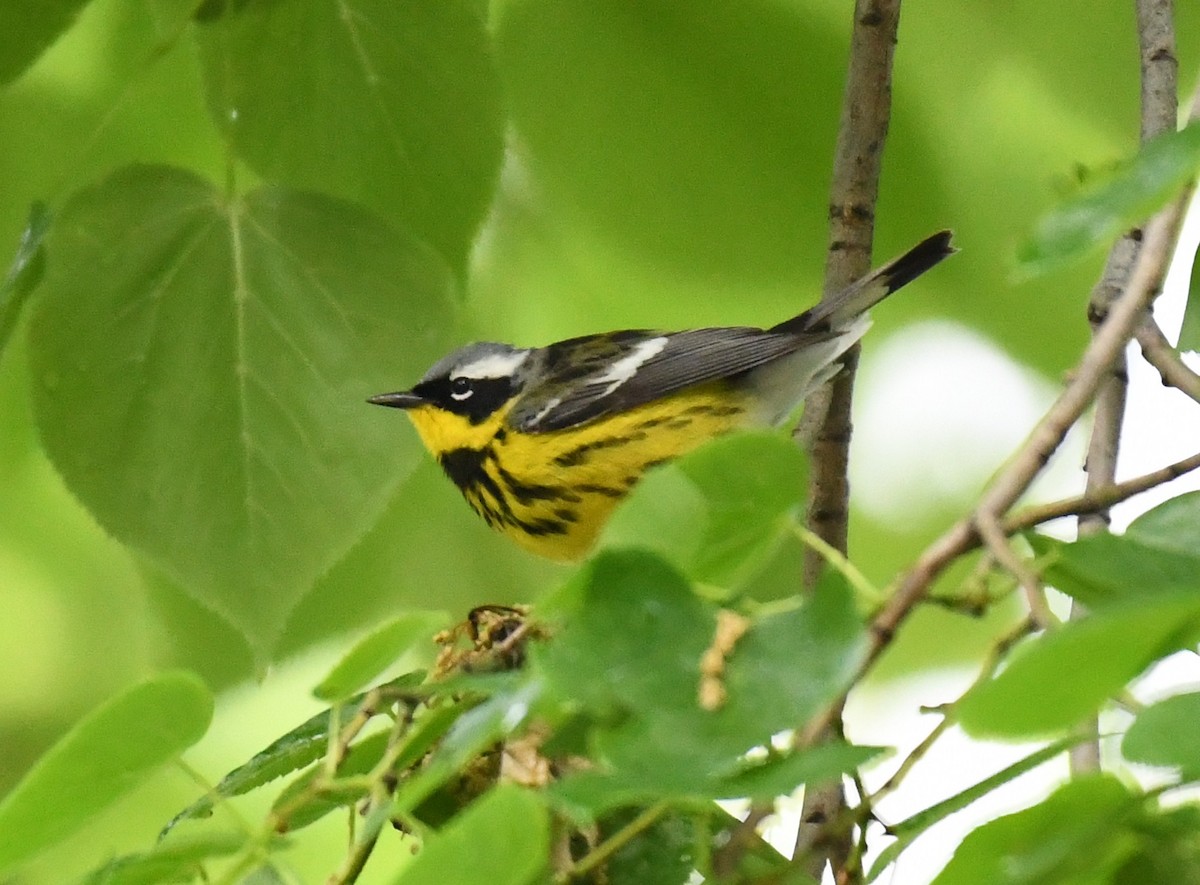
(1102, 654)
(1103, 570)
(1160, 169)
(754, 484)
(173, 860)
(1189, 332)
(717, 513)
(429, 727)
(376, 652)
(101, 759)
(502, 839)
(302, 745)
(1164, 734)
(665, 513)
(1173, 525)
(1076, 836)
(363, 755)
(397, 105)
(28, 27)
(200, 369)
(682, 131)
(26, 271)
(472, 732)
(629, 658)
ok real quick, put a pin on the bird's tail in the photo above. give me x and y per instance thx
(860, 296)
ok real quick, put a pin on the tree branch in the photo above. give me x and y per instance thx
(1159, 111)
(1014, 479)
(862, 131)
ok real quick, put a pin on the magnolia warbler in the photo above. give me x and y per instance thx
(544, 442)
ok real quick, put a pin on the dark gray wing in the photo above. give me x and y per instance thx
(629, 369)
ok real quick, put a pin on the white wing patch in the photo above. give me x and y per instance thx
(626, 367)
(545, 410)
(494, 365)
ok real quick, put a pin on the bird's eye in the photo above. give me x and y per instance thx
(460, 388)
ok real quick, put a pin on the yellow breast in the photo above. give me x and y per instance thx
(553, 492)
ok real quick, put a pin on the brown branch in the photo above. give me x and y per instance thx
(862, 131)
(1159, 353)
(1159, 110)
(1099, 499)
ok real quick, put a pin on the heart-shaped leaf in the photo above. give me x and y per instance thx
(201, 366)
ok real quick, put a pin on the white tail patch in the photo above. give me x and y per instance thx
(626, 367)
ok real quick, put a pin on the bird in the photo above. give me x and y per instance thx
(545, 442)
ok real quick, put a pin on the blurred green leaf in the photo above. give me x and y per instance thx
(173, 860)
(662, 853)
(1165, 734)
(683, 131)
(1102, 653)
(1075, 837)
(502, 839)
(200, 371)
(1189, 332)
(101, 759)
(1096, 217)
(302, 745)
(28, 27)
(26, 271)
(377, 651)
(397, 106)
(631, 658)
(782, 773)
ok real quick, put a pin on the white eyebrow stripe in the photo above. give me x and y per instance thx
(626, 367)
(494, 365)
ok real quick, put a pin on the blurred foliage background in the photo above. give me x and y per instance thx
(559, 167)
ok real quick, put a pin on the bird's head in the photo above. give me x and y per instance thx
(460, 400)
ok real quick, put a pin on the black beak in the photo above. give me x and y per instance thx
(401, 399)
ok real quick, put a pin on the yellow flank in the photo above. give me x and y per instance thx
(553, 492)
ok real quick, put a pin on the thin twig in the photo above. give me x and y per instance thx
(1159, 353)
(862, 132)
(383, 784)
(838, 561)
(992, 534)
(1099, 499)
(949, 711)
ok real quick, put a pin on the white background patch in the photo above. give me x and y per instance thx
(626, 367)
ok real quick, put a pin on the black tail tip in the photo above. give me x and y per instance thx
(930, 251)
